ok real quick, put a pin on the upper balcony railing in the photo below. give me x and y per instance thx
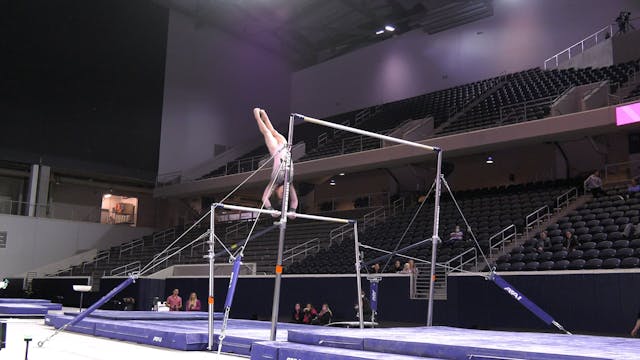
(51, 211)
(579, 47)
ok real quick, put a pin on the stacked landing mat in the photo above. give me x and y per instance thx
(304, 342)
(442, 343)
(10, 307)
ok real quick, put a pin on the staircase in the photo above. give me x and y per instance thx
(471, 104)
(508, 238)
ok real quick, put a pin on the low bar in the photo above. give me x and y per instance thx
(277, 213)
(366, 133)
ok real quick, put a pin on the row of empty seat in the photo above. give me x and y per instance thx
(522, 96)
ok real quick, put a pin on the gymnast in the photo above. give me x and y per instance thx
(278, 148)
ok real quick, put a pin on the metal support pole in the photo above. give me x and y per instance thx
(210, 299)
(283, 228)
(358, 278)
(435, 238)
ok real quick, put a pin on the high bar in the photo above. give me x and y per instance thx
(364, 132)
(277, 213)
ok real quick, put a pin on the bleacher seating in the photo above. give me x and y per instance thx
(487, 210)
(634, 93)
(607, 233)
(537, 88)
(517, 97)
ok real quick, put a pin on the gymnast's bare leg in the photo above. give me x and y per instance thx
(277, 145)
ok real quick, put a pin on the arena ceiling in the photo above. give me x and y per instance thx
(312, 31)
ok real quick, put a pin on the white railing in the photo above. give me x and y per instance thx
(621, 170)
(397, 207)
(579, 47)
(236, 229)
(504, 236)
(126, 269)
(322, 139)
(163, 236)
(358, 143)
(69, 270)
(103, 255)
(372, 219)
(130, 246)
(302, 250)
(536, 218)
(565, 199)
(52, 211)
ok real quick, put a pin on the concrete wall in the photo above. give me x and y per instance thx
(212, 83)
(35, 242)
(520, 35)
(599, 55)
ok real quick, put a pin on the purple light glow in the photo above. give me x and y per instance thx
(628, 114)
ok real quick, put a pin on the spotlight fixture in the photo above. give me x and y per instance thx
(332, 182)
(490, 160)
(379, 32)
(106, 196)
(341, 174)
(390, 28)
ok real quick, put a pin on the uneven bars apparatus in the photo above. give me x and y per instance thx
(438, 181)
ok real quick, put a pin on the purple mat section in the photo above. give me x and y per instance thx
(343, 344)
(454, 343)
(22, 309)
(22, 301)
(281, 350)
(149, 315)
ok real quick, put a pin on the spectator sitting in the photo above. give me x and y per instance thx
(324, 316)
(174, 301)
(297, 315)
(570, 241)
(543, 242)
(129, 304)
(397, 267)
(194, 304)
(376, 268)
(634, 331)
(456, 235)
(309, 314)
(593, 184)
(633, 187)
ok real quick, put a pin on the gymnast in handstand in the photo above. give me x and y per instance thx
(277, 145)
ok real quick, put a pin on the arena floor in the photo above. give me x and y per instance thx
(72, 346)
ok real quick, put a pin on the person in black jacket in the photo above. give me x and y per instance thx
(324, 316)
(297, 315)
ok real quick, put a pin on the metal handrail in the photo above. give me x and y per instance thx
(372, 218)
(564, 199)
(69, 269)
(625, 164)
(305, 248)
(582, 44)
(137, 243)
(162, 235)
(536, 218)
(503, 237)
(125, 269)
(397, 206)
(102, 255)
(236, 228)
(51, 211)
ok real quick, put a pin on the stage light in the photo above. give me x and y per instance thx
(390, 28)
(106, 196)
(341, 174)
(379, 32)
(490, 160)
(332, 182)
